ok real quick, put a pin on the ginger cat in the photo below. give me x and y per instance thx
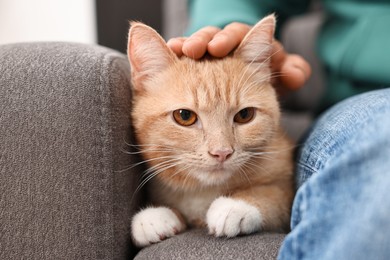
(209, 131)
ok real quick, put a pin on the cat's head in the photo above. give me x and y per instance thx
(199, 123)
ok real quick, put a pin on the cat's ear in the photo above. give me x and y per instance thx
(256, 47)
(148, 54)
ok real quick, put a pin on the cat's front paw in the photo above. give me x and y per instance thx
(153, 225)
(230, 217)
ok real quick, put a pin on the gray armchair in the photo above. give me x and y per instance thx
(65, 192)
(66, 185)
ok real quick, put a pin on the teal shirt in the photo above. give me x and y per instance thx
(354, 42)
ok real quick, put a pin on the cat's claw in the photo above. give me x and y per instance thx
(230, 217)
(153, 225)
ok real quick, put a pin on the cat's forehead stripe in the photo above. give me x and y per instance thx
(224, 83)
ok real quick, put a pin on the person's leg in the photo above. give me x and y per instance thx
(342, 208)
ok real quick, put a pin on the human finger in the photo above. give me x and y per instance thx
(196, 45)
(295, 71)
(176, 45)
(291, 70)
(227, 39)
(278, 56)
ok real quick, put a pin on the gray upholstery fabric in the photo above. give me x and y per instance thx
(64, 117)
(197, 244)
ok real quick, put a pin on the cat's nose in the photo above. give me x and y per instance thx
(222, 154)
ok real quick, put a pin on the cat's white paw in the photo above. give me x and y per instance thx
(153, 225)
(230, 217)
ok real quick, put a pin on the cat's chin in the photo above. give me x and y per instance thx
(213, 176)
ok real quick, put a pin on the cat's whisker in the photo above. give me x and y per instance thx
(244, 173)
(157, 171)
(271, 150)
(249, 87)
(247, 159)
(180, 171)
(247, 68)
(186, 173)
(149, 150)
(255, 167)
(145, 162)
(278, 73)
(262, 157)
(141, 146)
(264, 154)
(143, 182)
(173, 161)
(259, 66)
(152, 174)
(159, 165)
(266, 77)
(272, 76)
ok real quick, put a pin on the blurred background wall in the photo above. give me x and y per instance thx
(104, 22)
(113, 18)
(47, 20)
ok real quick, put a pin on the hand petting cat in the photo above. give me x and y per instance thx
(294, 70)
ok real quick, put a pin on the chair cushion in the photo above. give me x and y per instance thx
(197, 244)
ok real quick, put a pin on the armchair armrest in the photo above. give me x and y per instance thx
(64, 117)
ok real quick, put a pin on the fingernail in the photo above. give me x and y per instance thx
(170, 42)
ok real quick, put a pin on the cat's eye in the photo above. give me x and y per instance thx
(185, 117)
(244, 115)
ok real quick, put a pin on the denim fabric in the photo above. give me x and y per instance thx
(342, 207)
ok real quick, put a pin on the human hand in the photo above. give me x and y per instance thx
(291, 70)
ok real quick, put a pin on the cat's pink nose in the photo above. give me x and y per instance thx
(222, 155)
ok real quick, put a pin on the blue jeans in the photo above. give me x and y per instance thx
(342, 207)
